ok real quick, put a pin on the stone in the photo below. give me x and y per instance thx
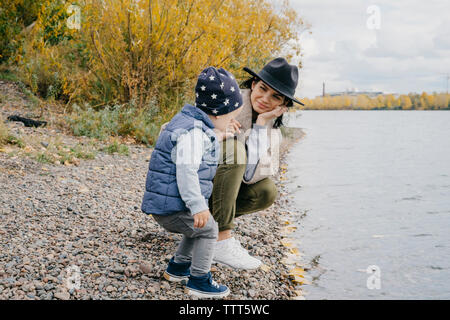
(119, 270)
(145, 268)
(28, 287)
(49, 286)
(110, 288)
(62, 295)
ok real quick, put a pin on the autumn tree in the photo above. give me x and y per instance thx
(380, 102)
(15, 16)
(148, 53)
(405, 102)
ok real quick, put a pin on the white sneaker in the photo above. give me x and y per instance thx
(231, 253)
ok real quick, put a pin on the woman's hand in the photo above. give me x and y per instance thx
(265, 117)
(201, 218)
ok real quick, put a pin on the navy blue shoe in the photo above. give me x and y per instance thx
(206, 287)
(177, 272)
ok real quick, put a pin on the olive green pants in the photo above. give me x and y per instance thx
(231, 197)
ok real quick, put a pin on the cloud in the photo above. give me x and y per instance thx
(407, 53)
(442, 39)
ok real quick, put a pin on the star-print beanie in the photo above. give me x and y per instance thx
(217, 92)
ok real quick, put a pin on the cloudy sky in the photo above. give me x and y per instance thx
(396, 46)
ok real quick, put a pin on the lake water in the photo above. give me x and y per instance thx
(375, 186)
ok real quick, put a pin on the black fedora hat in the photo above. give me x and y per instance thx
(280, 76)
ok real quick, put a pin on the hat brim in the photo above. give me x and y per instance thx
(271, 84)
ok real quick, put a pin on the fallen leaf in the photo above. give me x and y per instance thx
(28, 149)
(264, 267)
(289, 229)
(298, 279)
(83, 189)
(287, 243)
(297, 271)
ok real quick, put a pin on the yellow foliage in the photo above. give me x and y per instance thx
(148, 53)
(389, 101)
(145, 47)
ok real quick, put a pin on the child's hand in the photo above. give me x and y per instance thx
(201, 218)
(232, 128)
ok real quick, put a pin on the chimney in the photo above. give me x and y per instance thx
(323, 89)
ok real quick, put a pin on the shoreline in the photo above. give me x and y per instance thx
(57, 218)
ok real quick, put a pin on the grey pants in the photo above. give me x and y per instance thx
(197, 245)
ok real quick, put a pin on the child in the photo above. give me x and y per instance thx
(179, 180)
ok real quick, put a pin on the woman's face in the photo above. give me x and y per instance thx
(264, 98)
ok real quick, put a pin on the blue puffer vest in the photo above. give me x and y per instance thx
(161, 194)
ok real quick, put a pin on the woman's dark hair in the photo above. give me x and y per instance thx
(247, 84)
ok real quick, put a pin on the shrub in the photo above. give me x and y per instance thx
(130, 55)
(4, 132)
(7, 138)
(114, 121)
(59, 153)
(44, 157)
(116, 147)
(15, 15)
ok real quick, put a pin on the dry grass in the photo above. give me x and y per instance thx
(4, 132)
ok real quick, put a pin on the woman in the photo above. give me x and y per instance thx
(242, 183)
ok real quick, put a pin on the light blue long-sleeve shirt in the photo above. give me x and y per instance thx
(190, 149)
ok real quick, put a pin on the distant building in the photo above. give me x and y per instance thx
(355, 92)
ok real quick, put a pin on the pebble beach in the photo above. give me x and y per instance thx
(76, 231)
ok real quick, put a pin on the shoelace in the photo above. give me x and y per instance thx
(214, 283)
